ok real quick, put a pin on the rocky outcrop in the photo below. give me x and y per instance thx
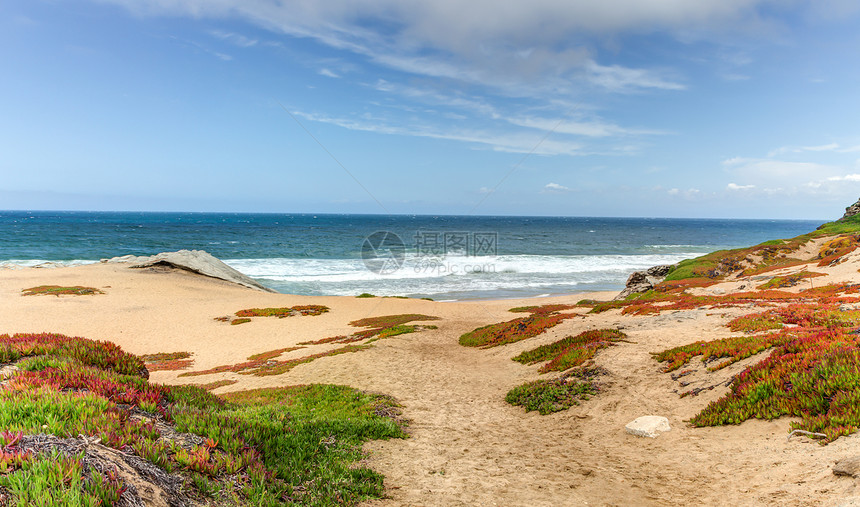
(196, 261)
(643, 281)
(852, 210)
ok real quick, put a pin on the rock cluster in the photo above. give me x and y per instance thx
(196, 261)
(643, 281)
(852, 210)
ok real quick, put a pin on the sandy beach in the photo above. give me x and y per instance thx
(467, 446)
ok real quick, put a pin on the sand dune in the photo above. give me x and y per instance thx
(467, 446)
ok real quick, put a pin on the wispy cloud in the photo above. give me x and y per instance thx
(801, 149)
(504, 142)
(846, 177)
(328, 73)
(234, 38)
(736, 187)
(555, 188)
(526, 46)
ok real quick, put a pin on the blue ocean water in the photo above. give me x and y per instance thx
(442, 257)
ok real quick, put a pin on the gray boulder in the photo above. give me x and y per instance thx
(196, 261)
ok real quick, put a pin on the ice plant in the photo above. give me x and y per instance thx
(265, 452)
(57, 290)
(548, 396)
(571, 351)
(283, 312)
(167, 361)
(540, 319)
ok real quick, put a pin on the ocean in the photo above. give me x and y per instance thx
(441, 257)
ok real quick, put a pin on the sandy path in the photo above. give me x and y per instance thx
(467, 446)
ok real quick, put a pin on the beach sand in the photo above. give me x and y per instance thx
(467, 446)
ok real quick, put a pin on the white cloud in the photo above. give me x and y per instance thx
(328, 73)
(764, 172)
(689, 194)
(581, 128)
(504, 142)
(524, 45)
(735, 161)
(735, 187)
(555, 188)
(847, 177)
(801, 149)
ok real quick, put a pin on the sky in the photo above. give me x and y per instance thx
(638, 108)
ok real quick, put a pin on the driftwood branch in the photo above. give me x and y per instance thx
(804, 432)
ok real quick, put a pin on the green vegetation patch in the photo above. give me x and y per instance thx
(211, 386)
(571, 351)
(391, 320)
(540, 319)
(54, 479)
(653, 302)
(812, 371)
(781, 282)
(56, 290)
(773, 254)
(100, 354)
(555, 395)
(287, 446)
(167, 361)
(379, 328)
(281, 313)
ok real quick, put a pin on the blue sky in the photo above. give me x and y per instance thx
(714, 108)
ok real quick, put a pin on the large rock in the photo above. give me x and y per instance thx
(648, 426)
(643, 281)
(852, 210)
(196, 261)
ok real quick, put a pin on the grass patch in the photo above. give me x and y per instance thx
(56, 290)
(282, 446)
(555, 395)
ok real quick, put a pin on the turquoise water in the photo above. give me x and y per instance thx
(443, 257)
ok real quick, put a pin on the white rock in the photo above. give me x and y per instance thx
(196, 261)
(648, 426)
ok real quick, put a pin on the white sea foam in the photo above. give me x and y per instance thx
(414, 267)
(30, 263)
